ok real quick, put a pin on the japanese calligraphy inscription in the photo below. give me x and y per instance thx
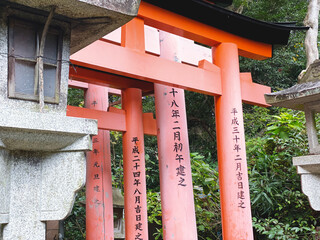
(174, 162)
(136, 227)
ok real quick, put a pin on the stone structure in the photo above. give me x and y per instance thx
(55, 229)
(118, 211)
(89, 19)
(305, 96)
(42, 159)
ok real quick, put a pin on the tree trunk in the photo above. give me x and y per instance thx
(311, 40)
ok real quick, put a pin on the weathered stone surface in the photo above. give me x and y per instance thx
(40, 187)
(118, 199)
(42, 159)
(40, 184)
(91, 19)
(312, 74)
(309, 169)
(23, 130)
(16, 104)
(306, 91)
(296, 96)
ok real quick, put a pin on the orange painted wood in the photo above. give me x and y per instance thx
(177, 204)
(113, 37)
(182, 26)
(99, 202)
(134, 176)
(149, 124)
(78, 84)
(133, 64)
(253, 93)
(106, 120)
(130, 32)
(84, 86)
(192, 52)
(233, 174)
(107, 80)
(206, 65)
(114, 91)
(113, 120)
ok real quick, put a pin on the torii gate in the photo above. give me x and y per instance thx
(129, 68)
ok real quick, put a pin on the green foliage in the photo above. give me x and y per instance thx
(206, 198)
(75, 224)
(288, 131)
(75, 97)
(116, 159)
(154, 212)
(201, 124)
(280, 210)
(280, 71)
(273, 229)
(152, 165)
(277, 10)
(256, 119)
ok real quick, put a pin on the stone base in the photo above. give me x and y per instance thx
(38, 187)
(309, 169)
(42, 165)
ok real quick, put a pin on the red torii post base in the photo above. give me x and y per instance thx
(99, 204)
(233, 174)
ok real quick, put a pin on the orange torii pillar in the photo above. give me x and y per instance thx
(178, 212)
(135, 199)
(233, 175)
(99, 204)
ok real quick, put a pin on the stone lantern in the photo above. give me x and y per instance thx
(118, 211)
(305, 96)
(42, 152)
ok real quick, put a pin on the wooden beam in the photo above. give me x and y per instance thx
(199, 32)
(113, 120)
(106, 120)
(128, 63)
(78, 84)
(107, 80)
(253, 93)
(84, 86)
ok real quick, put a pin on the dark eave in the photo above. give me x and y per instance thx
(240, 25)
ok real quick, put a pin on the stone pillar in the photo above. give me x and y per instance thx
(178, 213)
(42, 165)
(233, 175)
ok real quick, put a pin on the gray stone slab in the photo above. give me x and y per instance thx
(296, 96)
(307, 164)
(309, 169)
(41, 188)
(307, 90)
(23, 130)
(91, 19)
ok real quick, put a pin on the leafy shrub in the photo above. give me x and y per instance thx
(280, 210)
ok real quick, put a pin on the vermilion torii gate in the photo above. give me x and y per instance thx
(129, 68)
